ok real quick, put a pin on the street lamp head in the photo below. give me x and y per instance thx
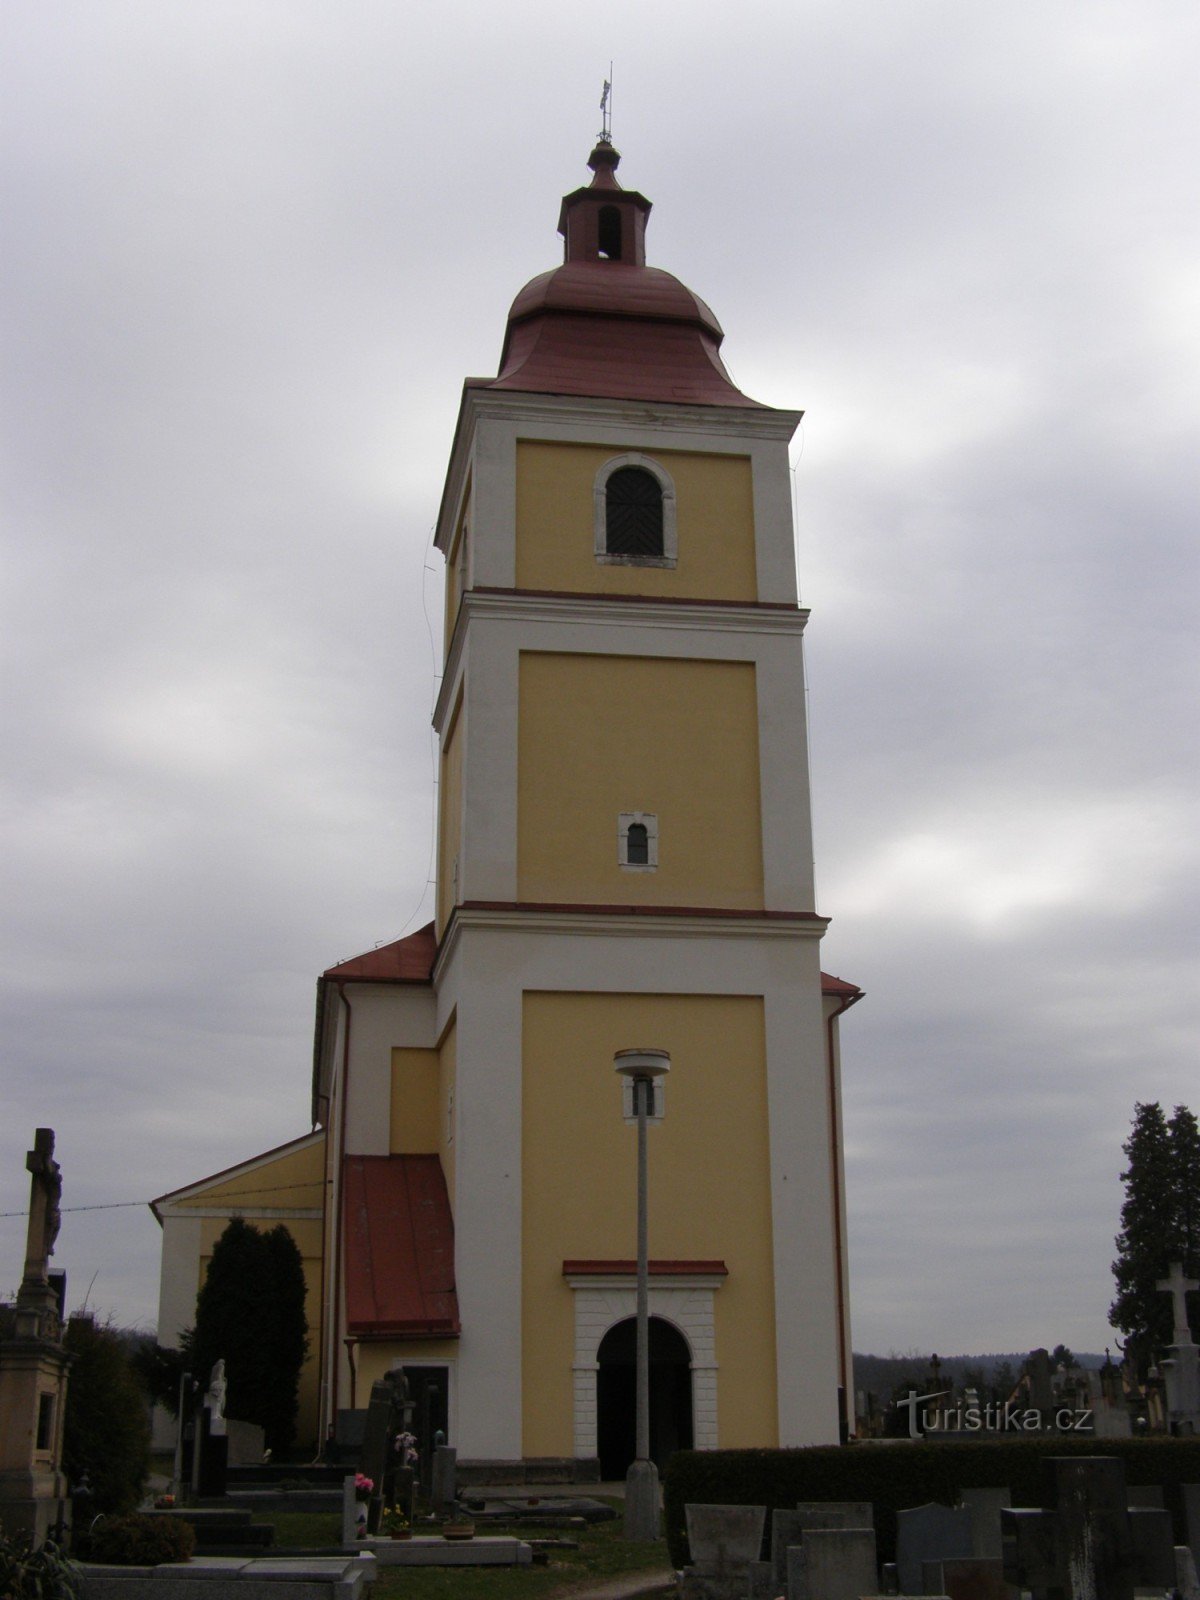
(637, 1064)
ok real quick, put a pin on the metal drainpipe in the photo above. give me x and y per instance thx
(339, 1178)
(835, 1159)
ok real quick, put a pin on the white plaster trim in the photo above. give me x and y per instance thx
(610, 924)
(624, 415)
(670, 530)
(238, 1210)
(600, 1303)
(714, 622)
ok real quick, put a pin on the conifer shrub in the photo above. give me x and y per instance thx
(895, 1476)
(106, 1431)
(138, 1540)
(250, 1314)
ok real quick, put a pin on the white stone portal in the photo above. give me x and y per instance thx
(686, 1303)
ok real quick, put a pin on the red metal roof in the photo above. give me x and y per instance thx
(832, 985)
(604, 323)
(399, 1248)
(407, 960)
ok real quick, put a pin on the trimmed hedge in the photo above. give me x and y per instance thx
(895, 1476)
(138, 1540)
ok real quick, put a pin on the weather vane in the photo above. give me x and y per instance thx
(606, 108)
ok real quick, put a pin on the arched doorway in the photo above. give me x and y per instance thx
(616, 1395)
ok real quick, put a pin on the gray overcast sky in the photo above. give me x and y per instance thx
(252, 251)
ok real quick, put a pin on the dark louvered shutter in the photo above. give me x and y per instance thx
(633, 513)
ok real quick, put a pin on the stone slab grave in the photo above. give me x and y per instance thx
(789, 1527)
(231, 1578)
(723, 1541)
(1082, 1548)
(833, 1564)
(929, 1533)
(490, 1550)
(985, 1506)
(966, 1578)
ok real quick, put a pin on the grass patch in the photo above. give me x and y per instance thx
(305, 1530)
(602, 1554)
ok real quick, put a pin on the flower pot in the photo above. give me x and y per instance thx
(401, 1533)
(459, 1530)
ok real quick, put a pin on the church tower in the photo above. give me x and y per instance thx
(624, 862)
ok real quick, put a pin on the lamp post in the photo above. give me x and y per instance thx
(642, 1067)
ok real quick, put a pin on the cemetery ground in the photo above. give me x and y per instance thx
(601, 1556)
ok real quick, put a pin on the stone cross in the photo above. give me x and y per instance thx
(1178, 1287)
(45, 1192)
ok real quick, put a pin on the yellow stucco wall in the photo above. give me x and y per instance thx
(449, 814)
(416, 1102)
(556, 524)
(293, 1179)
(602, 735)
(447, 1144)
(709, 1186)
(374, 1358)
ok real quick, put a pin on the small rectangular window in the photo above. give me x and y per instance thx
(45, 1422)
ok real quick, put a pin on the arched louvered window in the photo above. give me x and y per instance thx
(633, 514)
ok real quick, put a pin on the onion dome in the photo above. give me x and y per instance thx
(604, 323)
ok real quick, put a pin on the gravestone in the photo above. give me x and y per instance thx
(442, 1493)
(1190, 1494)
(389, 1412)
(723, 1541)
(966, 1578)
(836, 1513)
(1083, 1548)
(247, 1442)
(761, 1585)
(1187, 1586)
(832, 1564)
(1153, 1547)
(985, 1506)
(1041, 1389)
(929, 1533)
(1144, 1494)
(788, 1528)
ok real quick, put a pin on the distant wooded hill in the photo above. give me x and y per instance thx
(880, 1375)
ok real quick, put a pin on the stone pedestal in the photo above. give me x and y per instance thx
(33, 1368)
(33, 1393)
(1181, 1370)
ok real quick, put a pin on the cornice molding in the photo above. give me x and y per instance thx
(606, 923)
(615, 611)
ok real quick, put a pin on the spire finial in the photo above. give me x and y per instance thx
(606, 109)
